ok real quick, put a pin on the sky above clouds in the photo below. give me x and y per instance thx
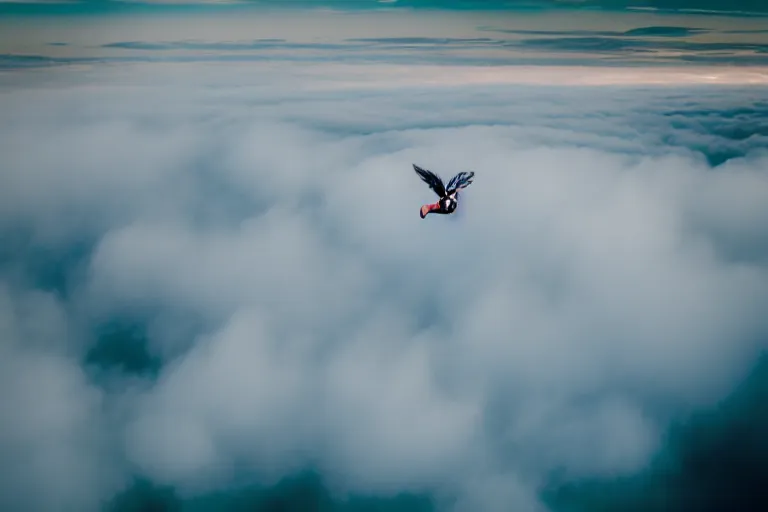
(216, 292)
(254, 34)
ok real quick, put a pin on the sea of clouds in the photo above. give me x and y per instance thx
(601, 279)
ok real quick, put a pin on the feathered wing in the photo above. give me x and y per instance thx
(460, 181)
(431, 179)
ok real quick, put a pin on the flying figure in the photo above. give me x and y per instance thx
(449, 196)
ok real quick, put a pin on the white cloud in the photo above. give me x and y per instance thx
(54, 444)
(591, 274)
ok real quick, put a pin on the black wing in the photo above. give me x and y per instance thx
(461, 180)
(431, 179)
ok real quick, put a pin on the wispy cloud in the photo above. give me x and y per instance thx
(655, 31)
(329, 39)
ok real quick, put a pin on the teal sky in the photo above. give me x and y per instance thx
(743, 7)
(132, 32)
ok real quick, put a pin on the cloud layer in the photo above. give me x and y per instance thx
(262, 239)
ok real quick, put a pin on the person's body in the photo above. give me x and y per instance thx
(448, 196)
(445, 205)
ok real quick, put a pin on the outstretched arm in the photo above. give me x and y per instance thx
(431, 179)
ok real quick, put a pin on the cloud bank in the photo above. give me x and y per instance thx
(217, 283)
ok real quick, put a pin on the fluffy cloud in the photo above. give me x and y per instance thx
(52, 437)
(600, 279)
